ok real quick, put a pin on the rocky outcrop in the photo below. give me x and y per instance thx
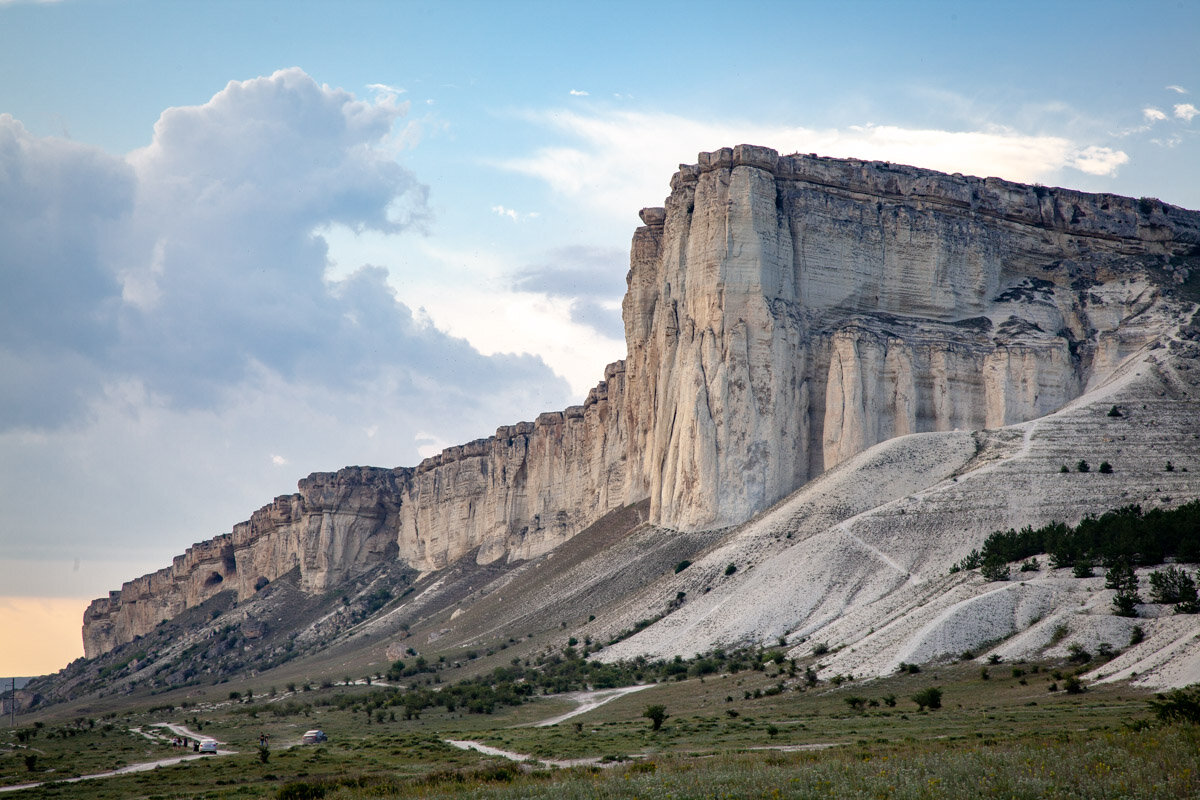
(516, 494)
(783, 314)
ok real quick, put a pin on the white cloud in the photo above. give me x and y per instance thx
(1177, 89)
(179, 301)
(578, 93)
(620, 161)
(1186, 111)
(513, 214)
(1153, 114)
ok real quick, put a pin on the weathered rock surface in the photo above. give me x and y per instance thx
(783, 315)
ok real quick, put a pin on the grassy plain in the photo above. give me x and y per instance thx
(730, 735)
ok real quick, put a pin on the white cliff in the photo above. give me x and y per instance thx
(783, 315)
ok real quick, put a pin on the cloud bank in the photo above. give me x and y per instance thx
(168, 314)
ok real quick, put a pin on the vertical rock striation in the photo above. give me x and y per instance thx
(782, 315)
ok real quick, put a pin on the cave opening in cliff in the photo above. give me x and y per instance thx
(213, 579)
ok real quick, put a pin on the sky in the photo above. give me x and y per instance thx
(245, 241)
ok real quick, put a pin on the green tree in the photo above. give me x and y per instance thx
(657, 714)
(930, 697)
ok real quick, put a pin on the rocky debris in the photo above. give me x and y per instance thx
(784, 314)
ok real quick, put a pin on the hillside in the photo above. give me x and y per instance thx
(842, 375)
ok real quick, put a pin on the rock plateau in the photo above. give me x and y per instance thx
(863, 332)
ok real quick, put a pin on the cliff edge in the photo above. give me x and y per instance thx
(783, 315)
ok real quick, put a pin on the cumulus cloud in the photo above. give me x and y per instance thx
(619, 160)
(578, 93)
(167, 317)
(592, 279)
(1153, 114)
(1185, 111)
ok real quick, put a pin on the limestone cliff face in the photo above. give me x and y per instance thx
(782, 315)
(515, 495)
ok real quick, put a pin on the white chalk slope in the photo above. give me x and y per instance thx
(859, 559)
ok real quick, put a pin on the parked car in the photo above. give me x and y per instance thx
(314, 737)
(208, 745)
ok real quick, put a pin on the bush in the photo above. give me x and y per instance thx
(657, 714)
(928, 698)
(682, 565)
(1078, 655)
(1178, 705)
(1137, 635)
(1073, 685)
(1115, 412)
(855, 702)
(820, 648)
(1105, 468)
(1082, 568)
(301, 790)
(732, 568)
(1082, 466)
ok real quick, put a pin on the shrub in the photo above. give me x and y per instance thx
(1078, 655)
(855, 702)
(1178, 705)
(301, 790)
(1082, 466)
(820, 648)
(1032, 565)
(1115, 412)
(1064, 468)
(930, 697)
(682, 565)
(1082, 568)
(1073, 685)
(772, 731)
(657, 714)
(732, 568)
(1137, 635)
(1105, 468)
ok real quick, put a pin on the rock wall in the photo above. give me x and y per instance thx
(516, 494)
(782, 315)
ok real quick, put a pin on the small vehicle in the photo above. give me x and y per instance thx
(314, 737)
(208, 745)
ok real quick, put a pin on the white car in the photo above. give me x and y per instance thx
(314, 737)
(208, 745)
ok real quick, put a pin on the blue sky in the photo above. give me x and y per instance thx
(246, 241)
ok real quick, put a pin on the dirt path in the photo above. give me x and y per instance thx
(487, 749)
(588, 701)
(144, 766)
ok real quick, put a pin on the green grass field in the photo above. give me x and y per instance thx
(730, 735)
